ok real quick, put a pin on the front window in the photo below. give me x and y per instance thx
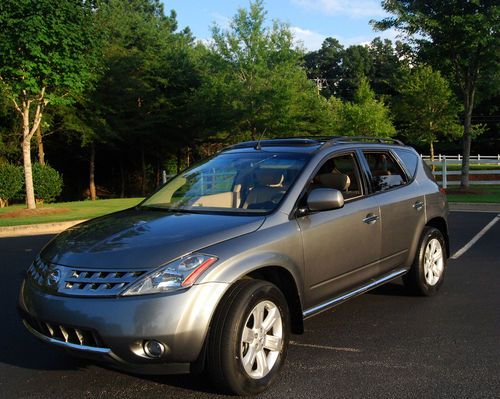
(238, 182)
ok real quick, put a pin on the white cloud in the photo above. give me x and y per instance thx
(306, 38)
(351, 8)
(363, 40)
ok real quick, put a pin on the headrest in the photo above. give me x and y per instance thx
(269, 177)
(337, 181)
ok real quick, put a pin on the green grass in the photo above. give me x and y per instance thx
(476, 193)
(75, 211)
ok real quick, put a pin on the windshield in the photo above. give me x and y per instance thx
(243, 182)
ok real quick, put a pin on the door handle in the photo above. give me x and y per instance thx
(418, 205)
(371, 218)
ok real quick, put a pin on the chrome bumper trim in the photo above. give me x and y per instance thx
(67, 345)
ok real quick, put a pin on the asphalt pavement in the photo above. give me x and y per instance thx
(384, 344)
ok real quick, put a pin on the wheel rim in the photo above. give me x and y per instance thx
(261, 340)
(433, 262)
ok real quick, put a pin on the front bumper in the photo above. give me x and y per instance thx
(180, 320)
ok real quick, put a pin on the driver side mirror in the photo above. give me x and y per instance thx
(324, 199)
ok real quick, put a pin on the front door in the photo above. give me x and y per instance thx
(342, 246)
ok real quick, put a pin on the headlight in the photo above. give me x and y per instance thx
(178, 274)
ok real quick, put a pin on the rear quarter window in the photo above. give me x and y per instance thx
(409, 160)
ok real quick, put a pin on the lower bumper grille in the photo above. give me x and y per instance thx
(63, 333)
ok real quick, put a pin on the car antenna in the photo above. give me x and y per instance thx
(257, 146)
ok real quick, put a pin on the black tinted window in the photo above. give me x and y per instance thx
(409, 159)
(385, 171)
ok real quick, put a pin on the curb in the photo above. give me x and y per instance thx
(473, 207)
(37, 229)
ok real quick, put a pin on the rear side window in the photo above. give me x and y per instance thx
(385, 171)
(409, 159)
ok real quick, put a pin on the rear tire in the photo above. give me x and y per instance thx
(426, 274)
(249, 337)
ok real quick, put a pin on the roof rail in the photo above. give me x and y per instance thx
(289, 141)
(381, 140)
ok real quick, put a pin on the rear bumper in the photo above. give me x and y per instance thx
(120, 325)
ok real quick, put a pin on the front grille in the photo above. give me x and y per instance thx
(82, 282)
(63, 333)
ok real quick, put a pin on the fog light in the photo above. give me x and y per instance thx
(154, 348)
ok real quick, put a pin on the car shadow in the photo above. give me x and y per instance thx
(395, 288)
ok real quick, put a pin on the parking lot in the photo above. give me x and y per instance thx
(384, 344)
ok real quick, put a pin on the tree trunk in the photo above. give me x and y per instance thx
(143, 166)
(39, 140)
(92, 190)
(467, 138)
(27, 134)
(178, 160)
(28, 174)
(431, 144)
(158, 171)
(122, 180)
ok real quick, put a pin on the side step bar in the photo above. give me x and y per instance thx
(355, 292)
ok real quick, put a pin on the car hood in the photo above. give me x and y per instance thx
(142, 239)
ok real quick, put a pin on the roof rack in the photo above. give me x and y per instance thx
(381, 140)
(323, 141)
(278, 142)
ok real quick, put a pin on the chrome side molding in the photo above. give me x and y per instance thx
(355, 292)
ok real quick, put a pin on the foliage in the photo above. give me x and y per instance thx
(48, 182)
(426, 107)
(47, 44)
(365, 116)
(48, 53)
(459, 37)
(11, 182)
(257, 75)
(341, 69)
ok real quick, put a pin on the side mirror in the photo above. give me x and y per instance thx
(325, 199)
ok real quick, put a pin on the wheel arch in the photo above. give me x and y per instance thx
(285, 281)
(439, 223)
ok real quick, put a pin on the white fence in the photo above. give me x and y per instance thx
(446, 160)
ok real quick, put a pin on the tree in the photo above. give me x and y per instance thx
(47, 53)
(426, 107)
(326, 63)
(365, 116)
(462, 37)
(257, 74)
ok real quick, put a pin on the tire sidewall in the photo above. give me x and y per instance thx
(428, 235)
(242, 382)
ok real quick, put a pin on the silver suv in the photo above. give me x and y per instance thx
(218, 267)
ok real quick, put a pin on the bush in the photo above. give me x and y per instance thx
(11, 182)
(47, 181)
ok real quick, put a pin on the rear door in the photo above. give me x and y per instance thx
(401, 203)
(342, 246)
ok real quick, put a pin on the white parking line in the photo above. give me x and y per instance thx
(331, 348)
(475, 239)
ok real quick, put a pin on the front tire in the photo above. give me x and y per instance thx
(426, 274)
(249, 338)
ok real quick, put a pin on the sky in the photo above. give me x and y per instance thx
(311, 21)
